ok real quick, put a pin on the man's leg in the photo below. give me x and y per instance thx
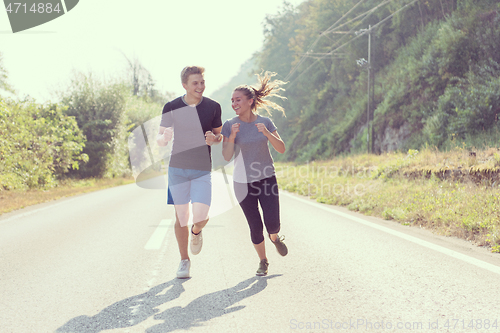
(200, 219)
(201, 198)
(200, 216)
(178, 195)
(181, 229)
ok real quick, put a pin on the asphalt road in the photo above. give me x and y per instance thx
(106, 261)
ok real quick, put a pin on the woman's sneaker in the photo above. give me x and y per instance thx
(183, 271)
(262, 267)
(280, 246)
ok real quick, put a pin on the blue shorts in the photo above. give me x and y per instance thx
(187, 185)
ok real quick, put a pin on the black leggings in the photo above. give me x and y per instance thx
(265, 192)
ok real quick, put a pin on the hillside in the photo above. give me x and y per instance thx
(434, 75)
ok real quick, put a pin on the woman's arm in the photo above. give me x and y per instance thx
(273, 137)
(276, 142)
(227, 148)
(228, 143)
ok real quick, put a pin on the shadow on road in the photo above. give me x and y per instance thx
(134, 310)
(208, 306)
(128, 312)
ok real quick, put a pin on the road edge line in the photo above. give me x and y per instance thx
(438, 248)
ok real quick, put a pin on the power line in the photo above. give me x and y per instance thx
(361, 15)
(340, 19)
(317, 39)
(350, 41)
(329, 30)
(369, 30)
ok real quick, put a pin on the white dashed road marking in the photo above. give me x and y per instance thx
(156, 239)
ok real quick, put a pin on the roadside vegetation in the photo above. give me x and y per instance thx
(453, 193)
(76, 145)
(18, 199)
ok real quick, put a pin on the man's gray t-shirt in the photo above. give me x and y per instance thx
(253, 161)
(189, 149)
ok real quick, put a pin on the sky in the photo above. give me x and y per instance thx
(163, 35)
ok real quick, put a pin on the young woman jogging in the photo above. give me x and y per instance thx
(246, 137)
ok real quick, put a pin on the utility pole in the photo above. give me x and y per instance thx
(368, 127)
(371, 85)
(372, 140)
(368, 65)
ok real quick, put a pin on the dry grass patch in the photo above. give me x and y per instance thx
(12, 200)
(376, 185)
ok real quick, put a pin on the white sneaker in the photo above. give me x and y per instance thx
(183, 271)
(196, 242)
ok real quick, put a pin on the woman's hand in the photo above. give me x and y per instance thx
(263, 129)
(234, 130)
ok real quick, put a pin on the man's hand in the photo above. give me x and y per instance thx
(167, 134)
(211, 138)
(164, 138)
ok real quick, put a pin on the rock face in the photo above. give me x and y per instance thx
(393, 138)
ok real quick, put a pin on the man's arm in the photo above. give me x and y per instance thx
(164, 136)
(166, 130)
(214, 136)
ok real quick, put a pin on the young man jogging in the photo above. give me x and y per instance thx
(194, 123)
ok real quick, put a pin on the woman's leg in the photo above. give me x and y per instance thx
(261, 250)
(270, 204)
(250, 208)
(269, 201)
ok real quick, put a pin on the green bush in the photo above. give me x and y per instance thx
(477, 104)
(38, 144)
(99, 109)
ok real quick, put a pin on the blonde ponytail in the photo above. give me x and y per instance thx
(265, 88)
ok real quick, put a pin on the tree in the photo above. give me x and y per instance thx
(99, 109)
(38, 144)
(4, 85)
(142, 83)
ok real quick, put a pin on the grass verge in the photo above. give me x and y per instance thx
(17, 199)
(467, 207)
